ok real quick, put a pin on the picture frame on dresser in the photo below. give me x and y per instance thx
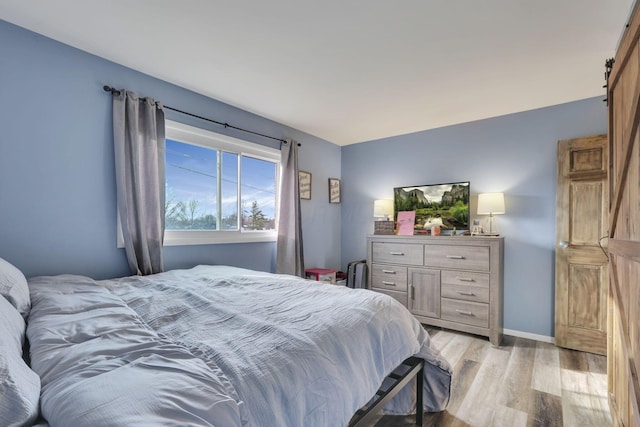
(454, 283)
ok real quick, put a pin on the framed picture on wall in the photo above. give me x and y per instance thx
(304, 185)
(334, 190)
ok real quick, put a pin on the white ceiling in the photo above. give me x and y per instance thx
(351, 71)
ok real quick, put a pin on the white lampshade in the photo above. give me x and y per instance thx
(490, 203)
(382, 208)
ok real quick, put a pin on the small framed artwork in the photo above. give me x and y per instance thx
(334, 190)
(304, 182)
(406, 222)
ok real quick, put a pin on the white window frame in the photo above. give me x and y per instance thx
(208, 139)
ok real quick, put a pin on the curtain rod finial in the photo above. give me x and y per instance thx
(114, 91)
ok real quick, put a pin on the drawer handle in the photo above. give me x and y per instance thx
(388, 271)
(469, 294)
(384, 282)
(397, 253)
(466, 313)
(455, 257)
(465, 279)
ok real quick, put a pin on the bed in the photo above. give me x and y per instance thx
(211, 345)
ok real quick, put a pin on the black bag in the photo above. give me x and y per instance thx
(357, 274)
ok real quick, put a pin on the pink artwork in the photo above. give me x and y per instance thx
(406, 221)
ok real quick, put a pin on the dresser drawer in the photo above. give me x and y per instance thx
(465, 278)
(391, 277)
(465, 292)
(455, 256)
(470, 313)
(401, 297)
(397, 253)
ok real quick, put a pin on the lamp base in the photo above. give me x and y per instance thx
(384, 227)
(491, 228)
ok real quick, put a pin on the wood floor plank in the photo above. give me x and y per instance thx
(573, 360)
(464, 375)
(504, 416)
(501, 386)
(596, 363)
(516, 387)
(546, 369)
(477, 349)
(442, 338)
(584, 399)
(483, 390)
(545, 410)
(456, 348)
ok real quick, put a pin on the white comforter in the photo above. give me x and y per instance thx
(219, 346)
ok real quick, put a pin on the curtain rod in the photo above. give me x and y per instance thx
(226, 125)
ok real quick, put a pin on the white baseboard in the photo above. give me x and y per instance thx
(535, 337)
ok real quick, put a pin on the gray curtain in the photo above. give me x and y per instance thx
(289, 258)
(138, 134)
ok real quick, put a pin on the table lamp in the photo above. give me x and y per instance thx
(383, 209)
(491, 204)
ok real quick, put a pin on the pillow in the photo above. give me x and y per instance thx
(13, 286)
(19, 385)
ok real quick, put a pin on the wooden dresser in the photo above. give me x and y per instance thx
(452, 282)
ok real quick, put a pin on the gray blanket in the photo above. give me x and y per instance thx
(220, 346)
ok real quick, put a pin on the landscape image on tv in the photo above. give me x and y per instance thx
(446, 205)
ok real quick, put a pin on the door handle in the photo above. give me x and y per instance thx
(563, 244)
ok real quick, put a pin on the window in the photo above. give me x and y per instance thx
(218, 189)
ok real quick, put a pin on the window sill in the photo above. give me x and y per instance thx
(197, 237)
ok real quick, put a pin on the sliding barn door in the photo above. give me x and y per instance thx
(624, 228)
(582, 224)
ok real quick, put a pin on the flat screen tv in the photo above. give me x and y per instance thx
(444, 204)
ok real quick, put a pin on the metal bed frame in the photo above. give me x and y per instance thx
(409, 368)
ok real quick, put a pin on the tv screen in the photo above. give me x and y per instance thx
(446, 205)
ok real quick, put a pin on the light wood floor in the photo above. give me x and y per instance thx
(520, 383)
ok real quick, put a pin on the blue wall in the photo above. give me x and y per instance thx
(515, 154)
(57, 184)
